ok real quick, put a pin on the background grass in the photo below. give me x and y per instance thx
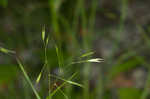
(54, 39)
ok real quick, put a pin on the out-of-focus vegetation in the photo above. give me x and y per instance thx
(54, 49)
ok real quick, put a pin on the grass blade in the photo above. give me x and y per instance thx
(40, 74)
(87, 54)
(68, 81)
(60, 58)
(27, 78)
(6, 51)
(43, 33)
(94, 60)
(39, 77)
(62, 92)
(59, 87)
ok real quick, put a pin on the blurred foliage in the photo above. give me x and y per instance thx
(125, 66)
(117, 31)
(4, 3)
(129, 93)
(8, 73)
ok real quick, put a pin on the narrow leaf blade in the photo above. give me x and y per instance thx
(28, 79)
(43, 33)
(6, 51)
(87, 54)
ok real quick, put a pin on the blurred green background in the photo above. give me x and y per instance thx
(117, 31)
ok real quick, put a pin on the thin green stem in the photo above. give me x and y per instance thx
(27, 78)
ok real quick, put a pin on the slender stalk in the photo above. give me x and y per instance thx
(27, 78)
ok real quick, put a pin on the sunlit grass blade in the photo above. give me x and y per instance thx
(87, 54)
(94, 60)
(40, 74)
(74, 83)
(38, 78)
(59, 87)
(45, 54)
(6, 51)
(68, 81)
(28, 79)
(47, 40)
(43, 33)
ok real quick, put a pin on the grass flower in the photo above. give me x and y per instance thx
(95, 60)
